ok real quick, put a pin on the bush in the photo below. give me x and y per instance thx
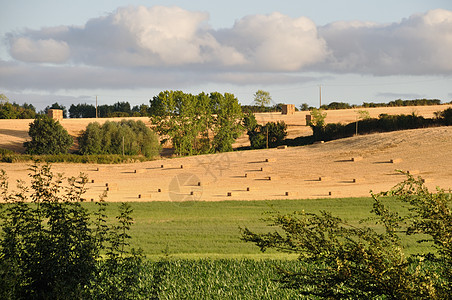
(47, 137)
(111, 137)
(50, 248)
(258, 134)
(446, 116)
(339, 260)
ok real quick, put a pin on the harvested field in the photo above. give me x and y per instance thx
(351, 167)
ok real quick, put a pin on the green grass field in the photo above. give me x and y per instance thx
(211, 229)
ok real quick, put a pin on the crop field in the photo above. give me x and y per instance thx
(193, 230)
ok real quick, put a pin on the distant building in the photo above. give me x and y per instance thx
(56, 114)
(288, 109)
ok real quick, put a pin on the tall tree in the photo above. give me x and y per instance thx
(188, 121)
(262, 98)
(47, 137)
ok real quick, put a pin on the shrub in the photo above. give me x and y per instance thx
(113, 137)
(47, 137)
(50, 248)
(339, 260)
(446, 116)
(258, 134)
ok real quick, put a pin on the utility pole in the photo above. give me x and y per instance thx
(96, 106)
(320, 96)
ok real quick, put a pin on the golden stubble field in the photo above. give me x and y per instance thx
(315, 171)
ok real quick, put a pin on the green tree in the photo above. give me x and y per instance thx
(189, 121)
(113, 137)
(318, 117)
(262, 98)
(271, 134)
(47, 137)
(341, 261)
(226, 121)
(304, 107)
(15, 111)
(50, 248)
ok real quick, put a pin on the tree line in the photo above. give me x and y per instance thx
(262, 101)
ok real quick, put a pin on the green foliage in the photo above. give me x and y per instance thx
(305, 107)
(216, 279)
(446, 117)
(340, 260)
(363, 114)
(51, 249)
(226, 121)
(82, 111)
(47, 137)
(189, 121)
(317, 118)
(337, 105)
(258, 134)
(15, 111)
(113, 137)
(384, 123)
(399, 102)
(262, 98)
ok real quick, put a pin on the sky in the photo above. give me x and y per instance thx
(354, 51)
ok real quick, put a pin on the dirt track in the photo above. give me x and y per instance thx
(293, 170)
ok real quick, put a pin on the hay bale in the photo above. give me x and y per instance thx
(395, 160)
(270, 160)
(192, 193)
(323, 178)
(159, 190)
(139, 196)
(248, 189)
(162, 166)
(265, 169)
(291, 193)
(288, 109)
(56, 114)
(92, 180)
(357, 180)
(250, 175)
(357, 158)
(139, 171)
(111, 186)
(229, 194)
(282, 147)
(330, 193)
(181, 166)
(274, 177)
(319, 142)
(199, 183)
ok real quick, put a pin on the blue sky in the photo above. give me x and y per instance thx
(359, 51)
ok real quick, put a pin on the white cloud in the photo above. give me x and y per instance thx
(421, 44)
(39, 51)
(276, 42)
(174, 37)
(169, 46)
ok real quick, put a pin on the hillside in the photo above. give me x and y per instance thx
(296, 170)
(13, 133)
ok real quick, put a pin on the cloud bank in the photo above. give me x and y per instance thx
(160, 46)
